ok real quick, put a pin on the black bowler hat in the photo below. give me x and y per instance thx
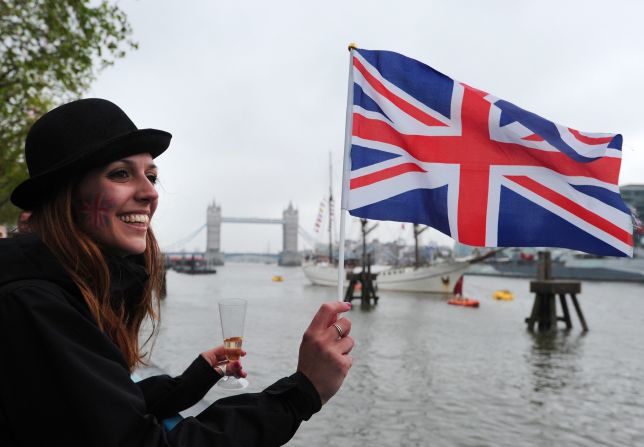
(75, 137)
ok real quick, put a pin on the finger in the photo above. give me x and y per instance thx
(235, 369)
(348, 362)
(339, 329)
(333, 333)
(243, 353)
(345, 363)
(346, 345)
(327, 314)
(239, 373)
(345, 325)
(219, 352)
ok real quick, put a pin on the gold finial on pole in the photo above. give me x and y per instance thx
(352, 46)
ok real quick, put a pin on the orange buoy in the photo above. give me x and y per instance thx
(467, 302)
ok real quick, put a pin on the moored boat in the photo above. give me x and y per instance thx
(437, 278)
(195, 270)
(465, 302)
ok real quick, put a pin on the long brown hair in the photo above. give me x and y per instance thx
(82, 258)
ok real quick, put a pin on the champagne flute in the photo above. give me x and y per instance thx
(232, 313)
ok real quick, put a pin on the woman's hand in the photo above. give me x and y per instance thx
(324, 352)
(217, 356)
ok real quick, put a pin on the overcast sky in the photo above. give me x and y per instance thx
(254, 92)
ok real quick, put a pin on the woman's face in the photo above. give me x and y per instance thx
(115, 203)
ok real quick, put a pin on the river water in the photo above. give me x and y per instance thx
(427, 373)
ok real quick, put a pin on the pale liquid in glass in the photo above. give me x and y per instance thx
(232, 347)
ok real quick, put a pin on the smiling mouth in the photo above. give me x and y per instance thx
(139, 220)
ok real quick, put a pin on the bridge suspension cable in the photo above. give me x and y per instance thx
(182, 242)
(310, 239)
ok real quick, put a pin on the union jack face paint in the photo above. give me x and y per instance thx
(94, 211)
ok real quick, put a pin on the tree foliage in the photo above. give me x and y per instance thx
(50, 51)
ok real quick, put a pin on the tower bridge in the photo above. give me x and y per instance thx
(289, 222)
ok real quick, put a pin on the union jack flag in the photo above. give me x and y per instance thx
(427, 149)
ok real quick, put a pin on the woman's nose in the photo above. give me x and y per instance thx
(146, 191)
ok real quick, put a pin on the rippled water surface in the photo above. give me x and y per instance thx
(426, 373)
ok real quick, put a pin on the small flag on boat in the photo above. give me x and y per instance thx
(427, 149)
(318, 220)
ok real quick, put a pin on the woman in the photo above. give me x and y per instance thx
(75, 290)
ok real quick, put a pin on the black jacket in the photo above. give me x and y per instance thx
(63, 382)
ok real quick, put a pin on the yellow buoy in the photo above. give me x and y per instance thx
(503, 295)
(277, 278)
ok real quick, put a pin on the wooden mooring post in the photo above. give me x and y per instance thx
(365, 278)
(544, 308)
(367, 281)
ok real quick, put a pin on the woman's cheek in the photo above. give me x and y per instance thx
(94, 211)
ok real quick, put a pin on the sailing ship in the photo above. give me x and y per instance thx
(438, 277)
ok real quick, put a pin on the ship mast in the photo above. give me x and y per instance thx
(365, 232)
(417, 232)
(330, 211)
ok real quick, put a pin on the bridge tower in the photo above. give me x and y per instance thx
(214, 255)
(289, 256)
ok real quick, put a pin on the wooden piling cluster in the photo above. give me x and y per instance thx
(367, 281)
(365, 278)
(544, 308)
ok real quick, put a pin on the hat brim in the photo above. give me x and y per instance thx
(39, 188)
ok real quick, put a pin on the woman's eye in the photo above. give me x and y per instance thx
(153, 178)
(118, 174)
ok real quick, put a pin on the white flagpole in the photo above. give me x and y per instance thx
(346, 168)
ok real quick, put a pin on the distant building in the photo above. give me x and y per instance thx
(633, 195)
(289, 255)
(462, 250)
(214, 255)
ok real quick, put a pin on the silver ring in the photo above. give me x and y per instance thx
(339, 329)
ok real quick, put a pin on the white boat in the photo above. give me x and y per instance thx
(437, 278)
